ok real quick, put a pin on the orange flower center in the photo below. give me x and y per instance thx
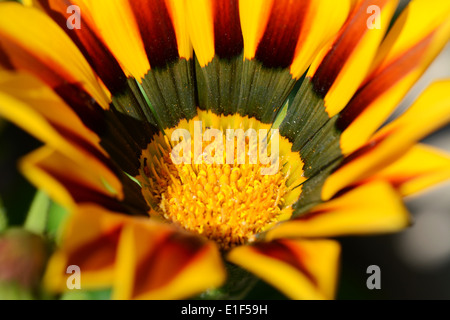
(229, 203)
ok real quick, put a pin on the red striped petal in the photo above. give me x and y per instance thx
(301, 269)
(157, 31)
(279, 41)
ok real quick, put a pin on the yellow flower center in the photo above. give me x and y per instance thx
(228, 203)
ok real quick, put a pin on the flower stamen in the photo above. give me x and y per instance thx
(227, 203)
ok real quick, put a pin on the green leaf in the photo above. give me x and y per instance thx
(37, 215)
(45, 216)
(13, 291)
(56, 216)
(87, 295)
(75, 295)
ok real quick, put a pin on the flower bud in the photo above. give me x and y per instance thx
(22, 258)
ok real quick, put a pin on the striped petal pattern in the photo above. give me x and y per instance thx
(110, 253)
(344, 66)
(418, 169)
(400, 62)
(136, 70)
(51, 54)
(358, 211)
(394, 140)
(299, 268)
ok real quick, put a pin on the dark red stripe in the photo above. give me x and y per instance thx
(97, 254)
(94, 50)
(382, 82)
(228, 38)
(20, 59)
(5, 62)
(133, 203)
(171, 255)
(347, 189)
(278, 250)
(73, 94)
(157, 31)
(80, 142)
(83, 194)
(398, 181)
(277, 46)
(87, 109)
(353, 30)
(365, 149)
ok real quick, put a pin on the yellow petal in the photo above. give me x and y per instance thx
(301, 269)
(66, 181)
(418, 20)
(428, 113)
(177, 11)
(201, 29)
(36, 100)
(118, 28)
(420, 168)
(254, 16)
(297, 28)
(90, 241)
(87, 39)
(154, 262)
(348, 60)
(43, 180)
(323, 21)
(34, 107)
(45, 49)
(415, 40)
(367, 209)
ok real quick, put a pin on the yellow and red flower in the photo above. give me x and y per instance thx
(105, 99)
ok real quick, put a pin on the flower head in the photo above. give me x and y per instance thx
(190, 138)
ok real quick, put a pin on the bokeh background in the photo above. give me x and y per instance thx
(415, 264)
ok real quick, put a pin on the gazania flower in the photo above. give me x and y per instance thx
(109, 85)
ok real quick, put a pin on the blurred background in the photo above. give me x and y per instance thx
(415, 264)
